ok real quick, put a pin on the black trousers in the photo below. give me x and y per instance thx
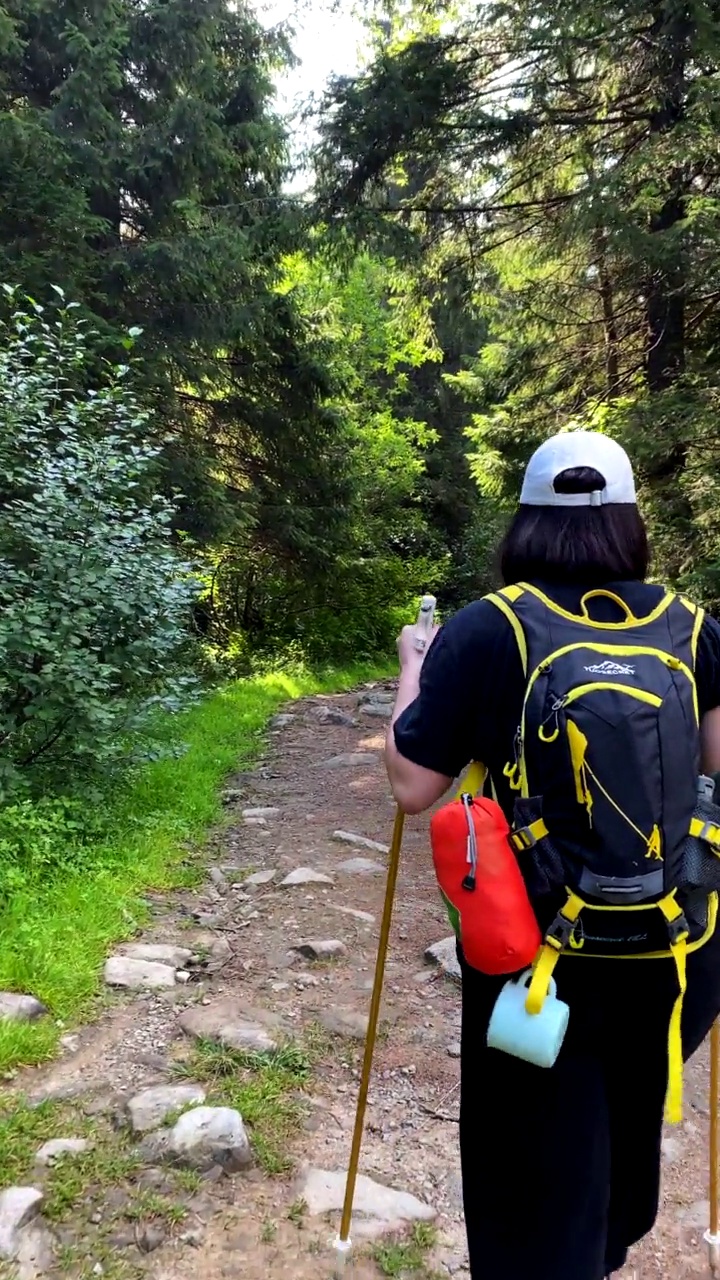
(561, 1167)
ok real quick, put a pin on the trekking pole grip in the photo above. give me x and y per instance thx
(425, 623)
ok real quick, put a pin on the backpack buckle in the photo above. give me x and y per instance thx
(710, 832)
(560, 932)
(525, 837)
(678, 929)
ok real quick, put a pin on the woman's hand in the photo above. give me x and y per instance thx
(409, 654)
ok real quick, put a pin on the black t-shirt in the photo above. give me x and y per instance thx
(472, 684)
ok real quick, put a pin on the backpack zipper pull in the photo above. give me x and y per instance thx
(512, 770)
(555, 710)
(578, 744)
(654, 844)
(471, 855)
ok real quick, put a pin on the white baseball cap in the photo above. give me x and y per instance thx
(578, 449)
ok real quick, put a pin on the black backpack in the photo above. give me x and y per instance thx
(617, 848)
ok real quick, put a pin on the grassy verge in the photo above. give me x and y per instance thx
(55, 933)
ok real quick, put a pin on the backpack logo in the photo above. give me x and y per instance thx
(611, 669)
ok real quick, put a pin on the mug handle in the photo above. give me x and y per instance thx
(526, 978)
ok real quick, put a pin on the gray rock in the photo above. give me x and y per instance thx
(454, 1263)
(332, 715)
(361, 867)
(260, 877)
(672, 1149)
(151, 1108)
(232, 795)
(215, 950)
(70, 1043)
(122, 971)
(345, 1022)
(360, 842)
(378, 696)
(59, 1147)
(365, 916)
(193, 1238)
(15, 1007)
(151, 1237)
(232, 1023)
(159, 952)
(323, 1191)
(34, 1252)
(211, 919)
(305, 875)
(219, 879)
(322, 949)
(380, 710)
(18, 1207)
(203, 1137)
(282, 721)
(444, 955)
(263, 812)
(350, 760)
(453, 1049)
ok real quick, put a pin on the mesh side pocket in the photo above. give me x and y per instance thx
(700, 864)
(542, 864)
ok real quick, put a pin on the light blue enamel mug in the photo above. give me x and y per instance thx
(534, 1037)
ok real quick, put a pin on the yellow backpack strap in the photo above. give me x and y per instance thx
(473, 781)
(525, 837)
(504, 600)
(698, 614)
(678, 930)
(556, 940)
(706, 831)
(699, 619)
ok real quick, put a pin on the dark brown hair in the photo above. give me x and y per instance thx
(578, 546)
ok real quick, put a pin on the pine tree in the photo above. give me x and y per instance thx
(570, 153)
(142, 172)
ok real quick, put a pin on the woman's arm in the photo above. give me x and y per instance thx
(414, 787)
(710, 741)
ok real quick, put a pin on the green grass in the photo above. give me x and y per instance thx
(408, 1257)
(55, 934)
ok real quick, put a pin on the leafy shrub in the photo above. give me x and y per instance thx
(43, 836)
(94, 598)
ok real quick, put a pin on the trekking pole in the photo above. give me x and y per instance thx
(712, 1236)
(342, 1242)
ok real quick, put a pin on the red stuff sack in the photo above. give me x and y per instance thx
(482, 885)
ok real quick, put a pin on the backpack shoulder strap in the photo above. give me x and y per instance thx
(504, 600)
(698, 615)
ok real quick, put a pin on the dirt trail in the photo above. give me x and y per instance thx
(252, 1225)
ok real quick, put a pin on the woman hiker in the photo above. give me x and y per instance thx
(561, 1167)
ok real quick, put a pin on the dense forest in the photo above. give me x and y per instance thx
(238, 423)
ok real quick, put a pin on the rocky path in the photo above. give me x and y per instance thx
(202, 1123)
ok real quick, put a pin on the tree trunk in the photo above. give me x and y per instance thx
(665, 288)
(607, 301)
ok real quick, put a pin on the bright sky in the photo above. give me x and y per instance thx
(327, 42)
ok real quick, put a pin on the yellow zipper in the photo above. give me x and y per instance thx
(641, 694)
(624, 651)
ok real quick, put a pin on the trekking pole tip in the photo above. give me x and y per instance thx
(712, 1240)
(342, 1249)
